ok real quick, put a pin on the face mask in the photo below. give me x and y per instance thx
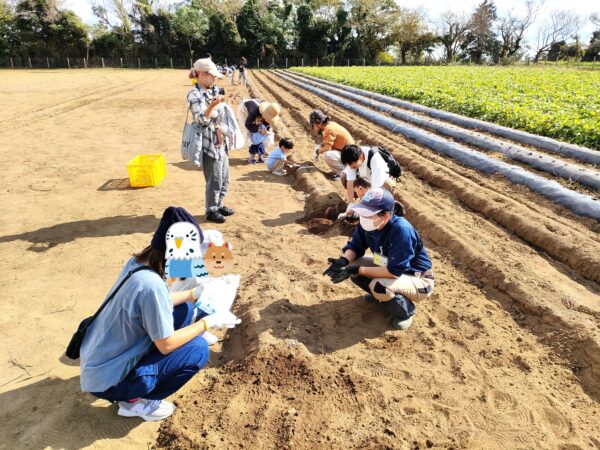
(367, 224)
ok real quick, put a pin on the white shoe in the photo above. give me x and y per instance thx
(149, 410)
(210, 338)
(278, 173)
(403, 325)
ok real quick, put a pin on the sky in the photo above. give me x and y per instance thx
(434, 8)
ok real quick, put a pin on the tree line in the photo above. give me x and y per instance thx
(368, 30)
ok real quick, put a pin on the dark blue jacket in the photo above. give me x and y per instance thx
(398, 240)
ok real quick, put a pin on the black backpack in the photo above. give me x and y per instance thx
(393, 166)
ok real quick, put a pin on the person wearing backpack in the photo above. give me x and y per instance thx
(374, 164)
(399, 274)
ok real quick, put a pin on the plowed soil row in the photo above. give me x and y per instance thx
(495, 254)
(439, 124)
(311, 365)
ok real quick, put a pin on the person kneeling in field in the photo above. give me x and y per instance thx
(277, 162)
(146, 343)
(399, 273)
(361, 187)
(335, 137)
(367, 163)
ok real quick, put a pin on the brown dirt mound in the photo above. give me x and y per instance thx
(487, 363)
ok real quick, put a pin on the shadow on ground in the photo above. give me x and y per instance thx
(54, 413)
(46, 238)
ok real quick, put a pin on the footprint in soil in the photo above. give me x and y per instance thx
(331, 318)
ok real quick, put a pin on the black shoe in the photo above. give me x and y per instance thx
(224, 210)
(215, 216)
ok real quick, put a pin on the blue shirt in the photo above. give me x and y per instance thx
(140, 313)
(258, 137)
(276, 155)
(398, 240)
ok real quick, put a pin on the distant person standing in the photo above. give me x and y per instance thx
(335, 138)
(242, 66)
(204, 100)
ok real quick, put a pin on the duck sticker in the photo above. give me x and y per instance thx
(218, 259)
(183, 255)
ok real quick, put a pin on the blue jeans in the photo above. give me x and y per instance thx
(399, 306)
(156, 376)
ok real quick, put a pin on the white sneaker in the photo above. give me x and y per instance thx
(403, 325)
(149, 410)
(210, 338)
(278, 173)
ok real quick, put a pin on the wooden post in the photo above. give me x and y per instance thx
(68, 62)
(171, 60)
(139, 64)
(364, 61)
(12, 64)
(317, 62)
(30, 66)
(156, 62)
(121, 62)
(226, 63)
(593, 63)
(258, 63)
(302, 62)
(348, 62)
(84, 63)
(286, 63)
(191, 63)
(332, 61)
(103, 66)
(47, 62)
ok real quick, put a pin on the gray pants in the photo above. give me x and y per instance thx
(216, 174)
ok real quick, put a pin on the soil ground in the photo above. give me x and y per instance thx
(503, 355)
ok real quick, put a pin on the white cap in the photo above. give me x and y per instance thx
(206, 65)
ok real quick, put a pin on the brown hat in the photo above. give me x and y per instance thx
(270, 112)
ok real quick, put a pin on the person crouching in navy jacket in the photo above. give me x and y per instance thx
(399, 274)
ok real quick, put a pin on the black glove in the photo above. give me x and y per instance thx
(340, 274)
(336, 264)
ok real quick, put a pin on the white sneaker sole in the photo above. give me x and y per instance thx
(126, 413)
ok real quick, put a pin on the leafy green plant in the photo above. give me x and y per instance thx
(558, 103)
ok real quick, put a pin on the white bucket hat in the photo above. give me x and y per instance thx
(206, 65)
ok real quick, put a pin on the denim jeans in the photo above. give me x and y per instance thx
(216, 176)
(156, 376)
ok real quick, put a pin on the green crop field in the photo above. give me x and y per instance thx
(559, 103)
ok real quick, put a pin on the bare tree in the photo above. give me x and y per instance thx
(558, 27)
(408, 30)
(454, 28)
(118, 9)
(595, 19)
(512, 27)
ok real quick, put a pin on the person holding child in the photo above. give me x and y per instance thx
(277, 162)
(204, 102)
(399, 273)
(147, 343)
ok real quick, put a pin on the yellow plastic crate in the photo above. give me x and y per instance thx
(146, 170)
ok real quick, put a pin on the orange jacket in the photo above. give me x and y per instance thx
(335, 137)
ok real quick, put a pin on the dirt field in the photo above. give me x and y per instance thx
(506, 354)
